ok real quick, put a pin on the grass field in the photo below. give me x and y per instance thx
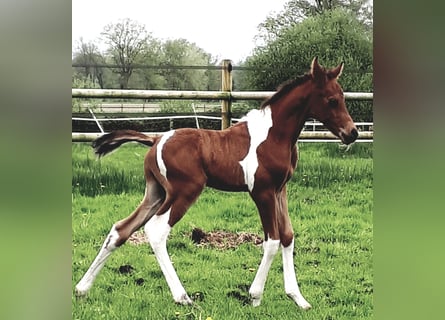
(330, 204)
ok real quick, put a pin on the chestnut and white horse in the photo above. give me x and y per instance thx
(257, 155)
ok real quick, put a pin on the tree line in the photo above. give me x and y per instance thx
(130, 46)
(334, 30)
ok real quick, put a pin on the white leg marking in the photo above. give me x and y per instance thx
(157, 230)
(258, 124)
(290, 280)
(270, 248)
(108, 247)
(160, 161)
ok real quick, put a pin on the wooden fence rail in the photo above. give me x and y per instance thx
(192, 95)
(365, 136)
(226, 95)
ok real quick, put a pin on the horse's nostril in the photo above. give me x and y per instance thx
(354, 133)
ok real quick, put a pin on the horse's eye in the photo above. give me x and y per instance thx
(333, 102)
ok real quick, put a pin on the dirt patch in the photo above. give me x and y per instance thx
(223, 239)
(216, 239)
(138, 238)
(126, 269)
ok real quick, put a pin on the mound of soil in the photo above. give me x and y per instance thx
(223, 239)
(217, 239)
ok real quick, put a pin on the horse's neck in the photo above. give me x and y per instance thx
(285, 128)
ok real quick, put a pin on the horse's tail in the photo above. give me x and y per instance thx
(113, 140)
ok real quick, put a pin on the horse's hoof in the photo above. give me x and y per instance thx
(300, 301)
(184, 300)
(255, 301)
(305, 306)
(80, 292)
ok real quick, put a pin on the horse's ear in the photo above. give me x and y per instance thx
(317, 71)
(336, 72)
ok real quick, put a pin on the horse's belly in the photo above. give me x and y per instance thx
(227, 179)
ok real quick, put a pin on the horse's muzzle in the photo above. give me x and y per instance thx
(349, 138)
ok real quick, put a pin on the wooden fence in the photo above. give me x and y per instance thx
(226, 95)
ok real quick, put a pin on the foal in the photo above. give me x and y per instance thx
(257, 155)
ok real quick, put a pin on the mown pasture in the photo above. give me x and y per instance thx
(330, 204)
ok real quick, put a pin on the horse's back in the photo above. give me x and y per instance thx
(202, 154)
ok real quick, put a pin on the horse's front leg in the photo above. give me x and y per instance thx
(256, 290)
(266, 204)
(287, 242)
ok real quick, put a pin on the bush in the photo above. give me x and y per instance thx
(334, 36)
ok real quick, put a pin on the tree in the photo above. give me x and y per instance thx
(295, 11)
(180, 52)
(150, 77)
(127, 42)
(334, 36)
(89, 56)
(134, 56)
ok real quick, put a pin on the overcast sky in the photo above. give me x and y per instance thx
(225, 29)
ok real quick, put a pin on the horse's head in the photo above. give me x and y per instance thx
(327, 104)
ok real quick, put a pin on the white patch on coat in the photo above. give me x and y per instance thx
(160, 161)
(256, 290)
(157, 230)
(290, 280)
(258, 125)
(107, 248)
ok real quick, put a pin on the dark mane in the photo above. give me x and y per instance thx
(284, 88)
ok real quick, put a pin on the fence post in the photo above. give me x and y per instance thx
(226, 85)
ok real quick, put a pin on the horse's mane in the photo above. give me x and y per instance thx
(284, 88)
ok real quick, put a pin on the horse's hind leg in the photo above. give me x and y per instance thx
(121, 231)
(157, 230)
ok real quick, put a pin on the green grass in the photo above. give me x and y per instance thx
(330, 204)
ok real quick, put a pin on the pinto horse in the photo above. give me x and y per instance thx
(257, 155)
